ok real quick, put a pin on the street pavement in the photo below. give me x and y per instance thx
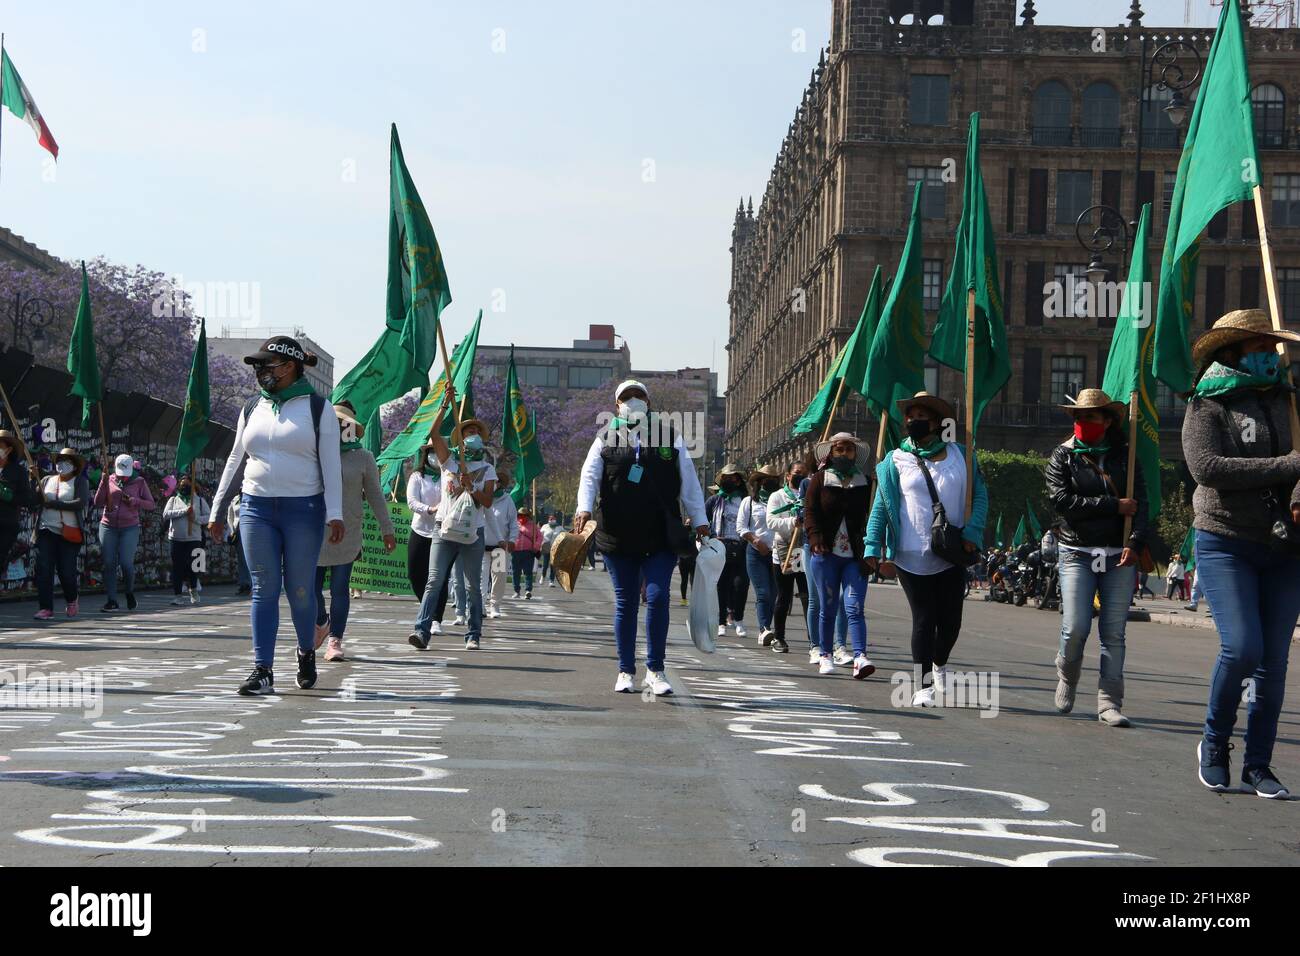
(520, 753)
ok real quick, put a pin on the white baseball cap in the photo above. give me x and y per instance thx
(123, 466)
(630, 383)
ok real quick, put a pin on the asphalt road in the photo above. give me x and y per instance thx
(520, 753)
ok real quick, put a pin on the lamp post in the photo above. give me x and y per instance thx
(1112, 229)
(1176, 75)
(30, 315)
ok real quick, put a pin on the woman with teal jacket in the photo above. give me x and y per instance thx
(898, 533)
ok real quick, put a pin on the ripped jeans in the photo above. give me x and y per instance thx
(281, 540)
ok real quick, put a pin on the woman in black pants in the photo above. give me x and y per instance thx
(784, 513)
(424, 498)
(686, 571)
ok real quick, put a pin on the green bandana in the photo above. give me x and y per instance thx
(1219, 379)
(729, 495)
(844, 475)
(300, 387)
(498, 492)
(912, 448)
(471, 456)
(1095, 450)
(763, 495)
(347, 446)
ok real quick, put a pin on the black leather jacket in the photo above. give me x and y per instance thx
(1088, 507)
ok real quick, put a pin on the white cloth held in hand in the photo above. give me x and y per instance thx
(702, 616)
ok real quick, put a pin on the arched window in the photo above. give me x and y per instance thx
(1052, 114)
(1157, 128)
(900, 12)
(1100, 115)
(1268, 103)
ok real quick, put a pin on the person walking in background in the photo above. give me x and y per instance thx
(782, 518)
(686, 570)
(841, 656)
(751, 525)
(527, 547)
(122, 495)
(1174, 576)
(17, 493)
(549, 531)
(500, 531)
(733, 585)
(61, 532)
(186, 513)
(242, 577)
(423, 496)
(360, 476)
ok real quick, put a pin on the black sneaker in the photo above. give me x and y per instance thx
(1262, 781)
(779, 646)
(418, 641)
(260, 681)
(1214, 770)
(110, 606)
(306, 678)
(130, 601)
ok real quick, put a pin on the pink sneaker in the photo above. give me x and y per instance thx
(335, 651)
(44, 615)
(73, 608)
(321, 631)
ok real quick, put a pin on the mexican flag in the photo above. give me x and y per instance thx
(15, 95)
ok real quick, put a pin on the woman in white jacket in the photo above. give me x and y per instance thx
(423, 496)
(186, 513)
(783, 518)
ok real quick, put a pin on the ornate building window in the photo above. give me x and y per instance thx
(1051, 115)
(928, 105)
(1073, 195)
(1268, 103)
(1286, 200)
(1100, 116)
(934, 194)
(1068, 373)
(931, 284)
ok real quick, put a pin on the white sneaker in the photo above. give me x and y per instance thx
(199, 585)
(551, 584)
(515, 596)
(814, 656)
(826, 666)
(722, 630)
(765, 636)
(940, 683)
(923, 697)
(842, 656)
(740, 630)
(194, 596)
(178, 601)
(493, 611)
(459, 622)
(658, 683)
(435, 627)
(624, 684)
(862, 667)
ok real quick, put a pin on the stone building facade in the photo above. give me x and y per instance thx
(888, 104)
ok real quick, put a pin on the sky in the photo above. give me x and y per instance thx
(581, 161)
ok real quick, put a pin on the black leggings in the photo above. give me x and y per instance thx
(417, 570)
(686, 571)
(183, 565)
(785, 598)
(936, 601)
(733, 584)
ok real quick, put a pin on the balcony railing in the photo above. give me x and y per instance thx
(1053, 135)
(1160, 137)
(1099, 136)
(1271, 138)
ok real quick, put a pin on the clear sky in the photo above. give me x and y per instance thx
(583, 157)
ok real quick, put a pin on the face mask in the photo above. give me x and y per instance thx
(64, 468)
(771, 486)
(1261, 364)
(184, 491)
(841, 462)
(1089, 432)
(633, 406)
(918, 428)
(266, 378)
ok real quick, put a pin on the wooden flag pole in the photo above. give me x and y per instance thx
(970, 400)
(194, 494)
(446, 366)
(1274, 308)
(13, 419)
(880, 438)
(1132, 461)
(826, 433)
(103, 436)
(534, 499)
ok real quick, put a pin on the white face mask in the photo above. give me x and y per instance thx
(633, 406)
(64, 468)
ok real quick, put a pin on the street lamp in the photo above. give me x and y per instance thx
(35, 312)
(1176, 75)
(1112, 228)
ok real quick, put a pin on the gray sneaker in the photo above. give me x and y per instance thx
(1064, 698)
(1112, 717)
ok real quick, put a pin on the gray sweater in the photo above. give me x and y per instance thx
(360, 477)
(1228, 499)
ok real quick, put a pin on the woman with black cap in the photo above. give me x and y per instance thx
(1240, 449)
(285, 466)
(61, 531)
(16, 491)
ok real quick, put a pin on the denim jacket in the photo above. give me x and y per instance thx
(883, 526)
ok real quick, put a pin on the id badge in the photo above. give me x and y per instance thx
(634, 474)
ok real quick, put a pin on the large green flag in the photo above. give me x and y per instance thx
(997, 535)
(417, 293)
(896, 361)
(1219, 167)
(82, 362)
(407, 442)
(1018, 538)
(1128, 366)
(1188, 551)
(1034, 526)
(974, 266)
(372, 439)
(198, 406)
(849, 367)
(519, 435)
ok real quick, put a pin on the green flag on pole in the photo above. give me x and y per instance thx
(997, 535)
(417, 293)
(1128, 365)
(974, 266)
(198, 406)
(1219, 166)
(1034, 526)
(896, 361)
(519, 435)
(850, 366)
(1018, 538)
(1188, 551)
(372, 440)
(82, 363)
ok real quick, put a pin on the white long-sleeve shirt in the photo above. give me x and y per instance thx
(752, 519)
(180, 527)
(502, 525)
(282, 455)
(423, 495)
(691, 497)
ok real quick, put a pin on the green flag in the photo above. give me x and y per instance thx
(896, 361)
(1018, 538)
(849, 367)
(1034, 526)
(974, 266)
(417, 293)
(1128, 365)
(82, 363)
(407, 442)
(198, 406)
(997, 535)
(372, 440)
(1219, 167)
(519, 435)
(1188, 550)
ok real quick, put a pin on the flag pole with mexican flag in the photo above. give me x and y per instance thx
(15, 97)
(519, 435)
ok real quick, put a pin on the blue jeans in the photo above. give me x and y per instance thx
(814, 609)
(118, 547)
(626, 572)
(340, 597)
(1079, 584)
(466, 556)
(1254, 595)
(833, 573)
(282, 539)
(241, 574)
(760, 569)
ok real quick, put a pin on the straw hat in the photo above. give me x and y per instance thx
(14, 439)
(863, 460)
(730, 468)
(348, 416)
(765, 471)
(568, 551)
(1233, 327)
(459, 430)
(72, 454)
(1096, 399)
(933, 402)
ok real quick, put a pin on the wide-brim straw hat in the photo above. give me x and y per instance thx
(863, 460)
(73, 454)
(1233, 327)
(14, 439)
(1097, 400)
(936, 404)
(459, 430)
(568, 552)
(765, 471)
(348, 415)
(730, 468)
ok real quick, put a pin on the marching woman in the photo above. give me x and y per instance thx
(841, 655)
(751, 524)
(16, 491)
(423, 496)
(465, 470)
(186, 514)
(923, 471)
(636, 480)
(549, 531)
(285, 467)
(722, 510)
(835, 520)
(1087, 476)
(528, 546)
(1240, 450)
(122, 495)
(360, 484)
(64, 496)
(500, 530)
(782, 519)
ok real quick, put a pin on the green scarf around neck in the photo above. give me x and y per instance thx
(912, 448)
(763, 495)
(498, 492)
(729, 495)
(347, 446)
(300, 387)
(1220, 379)
(1095, 450)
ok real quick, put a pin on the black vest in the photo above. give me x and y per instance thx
(632, 516)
